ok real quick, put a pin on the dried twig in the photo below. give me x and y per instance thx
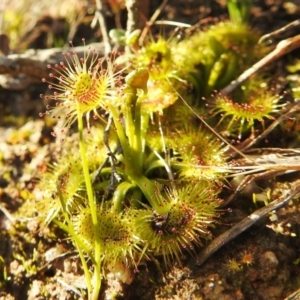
(281, 49)
(151, 21)
(100, 18)
(20, 70)
(294, 296)
(268, 37)
(240, 227)
(133, 14)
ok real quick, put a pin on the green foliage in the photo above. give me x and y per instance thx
(239, 10)
(294, 78)
(145, 181)
(215, 57)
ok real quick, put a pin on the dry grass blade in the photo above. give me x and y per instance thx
(268, 163)
(294, 296)
(100, 18)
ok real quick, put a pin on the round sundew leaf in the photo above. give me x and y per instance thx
(180, 220)
(116, 234)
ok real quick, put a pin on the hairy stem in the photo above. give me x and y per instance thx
(93, 209)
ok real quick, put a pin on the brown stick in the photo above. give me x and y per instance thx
(21, 70)
(240, 227)
(281, 49)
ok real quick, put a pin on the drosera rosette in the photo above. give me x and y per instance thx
(85, 84)
(239, 117)
(179, 220)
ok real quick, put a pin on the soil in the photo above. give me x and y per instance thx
(261, 263)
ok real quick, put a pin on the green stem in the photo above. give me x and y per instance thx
(69, 229)
(145, 116)
(119, 196)
(102, 186)
(136, 197)
(93, 209)
(153, 165)
(107, 171)
(149, 190)
(137, 145)
(132, 166)
(129, 102)
(120, 132)
(141, 123)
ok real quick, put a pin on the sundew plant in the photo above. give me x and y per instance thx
(144, 178)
